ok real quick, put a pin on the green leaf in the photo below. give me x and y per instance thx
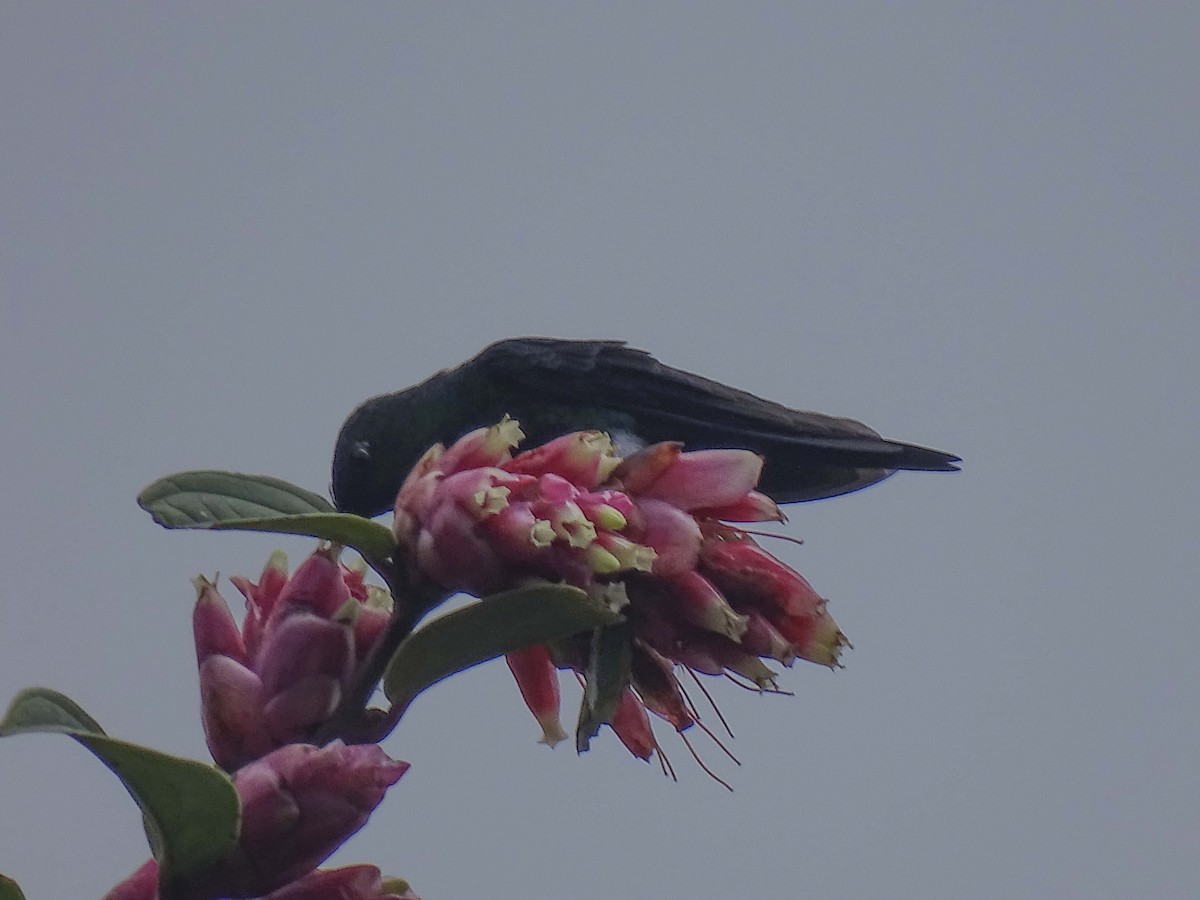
(191, 810)
(372, 540)
(228, 501)
(9, 889)
(203, 498)
(608, 673)
(492, 627)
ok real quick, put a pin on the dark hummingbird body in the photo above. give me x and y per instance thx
(553, 387)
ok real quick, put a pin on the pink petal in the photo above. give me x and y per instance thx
(294, 713)
(231, 711)
(707, 478)
(317, 585)
(215, 631)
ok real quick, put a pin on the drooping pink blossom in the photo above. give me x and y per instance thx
(699, 591)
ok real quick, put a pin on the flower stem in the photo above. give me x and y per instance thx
(353, 721)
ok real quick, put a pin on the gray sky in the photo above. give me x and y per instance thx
(975, 227)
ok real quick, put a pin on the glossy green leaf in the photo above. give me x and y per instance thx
(191, 809)
(205, 497)
(484, 630)
(9, 889)
(229, 501)
(608, 672)
(372, 540)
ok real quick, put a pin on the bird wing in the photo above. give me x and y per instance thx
(809, 455)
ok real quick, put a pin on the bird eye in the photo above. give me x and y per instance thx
(361, 450)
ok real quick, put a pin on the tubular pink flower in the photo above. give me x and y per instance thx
(672, 534)
(607, 510)
(707, 478)
(632, 726)
(630, 557)
(740, 566)
(478, 492)
(585, 458)
(698, 601)
(763, 639)
(656, 685)
(754, 507)
(537, 680)
(483, 448)
(518, 532)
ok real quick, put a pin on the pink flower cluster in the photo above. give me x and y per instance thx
(265, 688)
(276, 679)
(299, 804)
(648, 534)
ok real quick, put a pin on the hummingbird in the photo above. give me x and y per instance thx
(554, 386)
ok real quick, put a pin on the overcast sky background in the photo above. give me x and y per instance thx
(971, 226)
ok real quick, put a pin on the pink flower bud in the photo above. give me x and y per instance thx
(609, 510)
(299, 804)
(278, 680)
(261, 598)
(215, 631)
(317, 586)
